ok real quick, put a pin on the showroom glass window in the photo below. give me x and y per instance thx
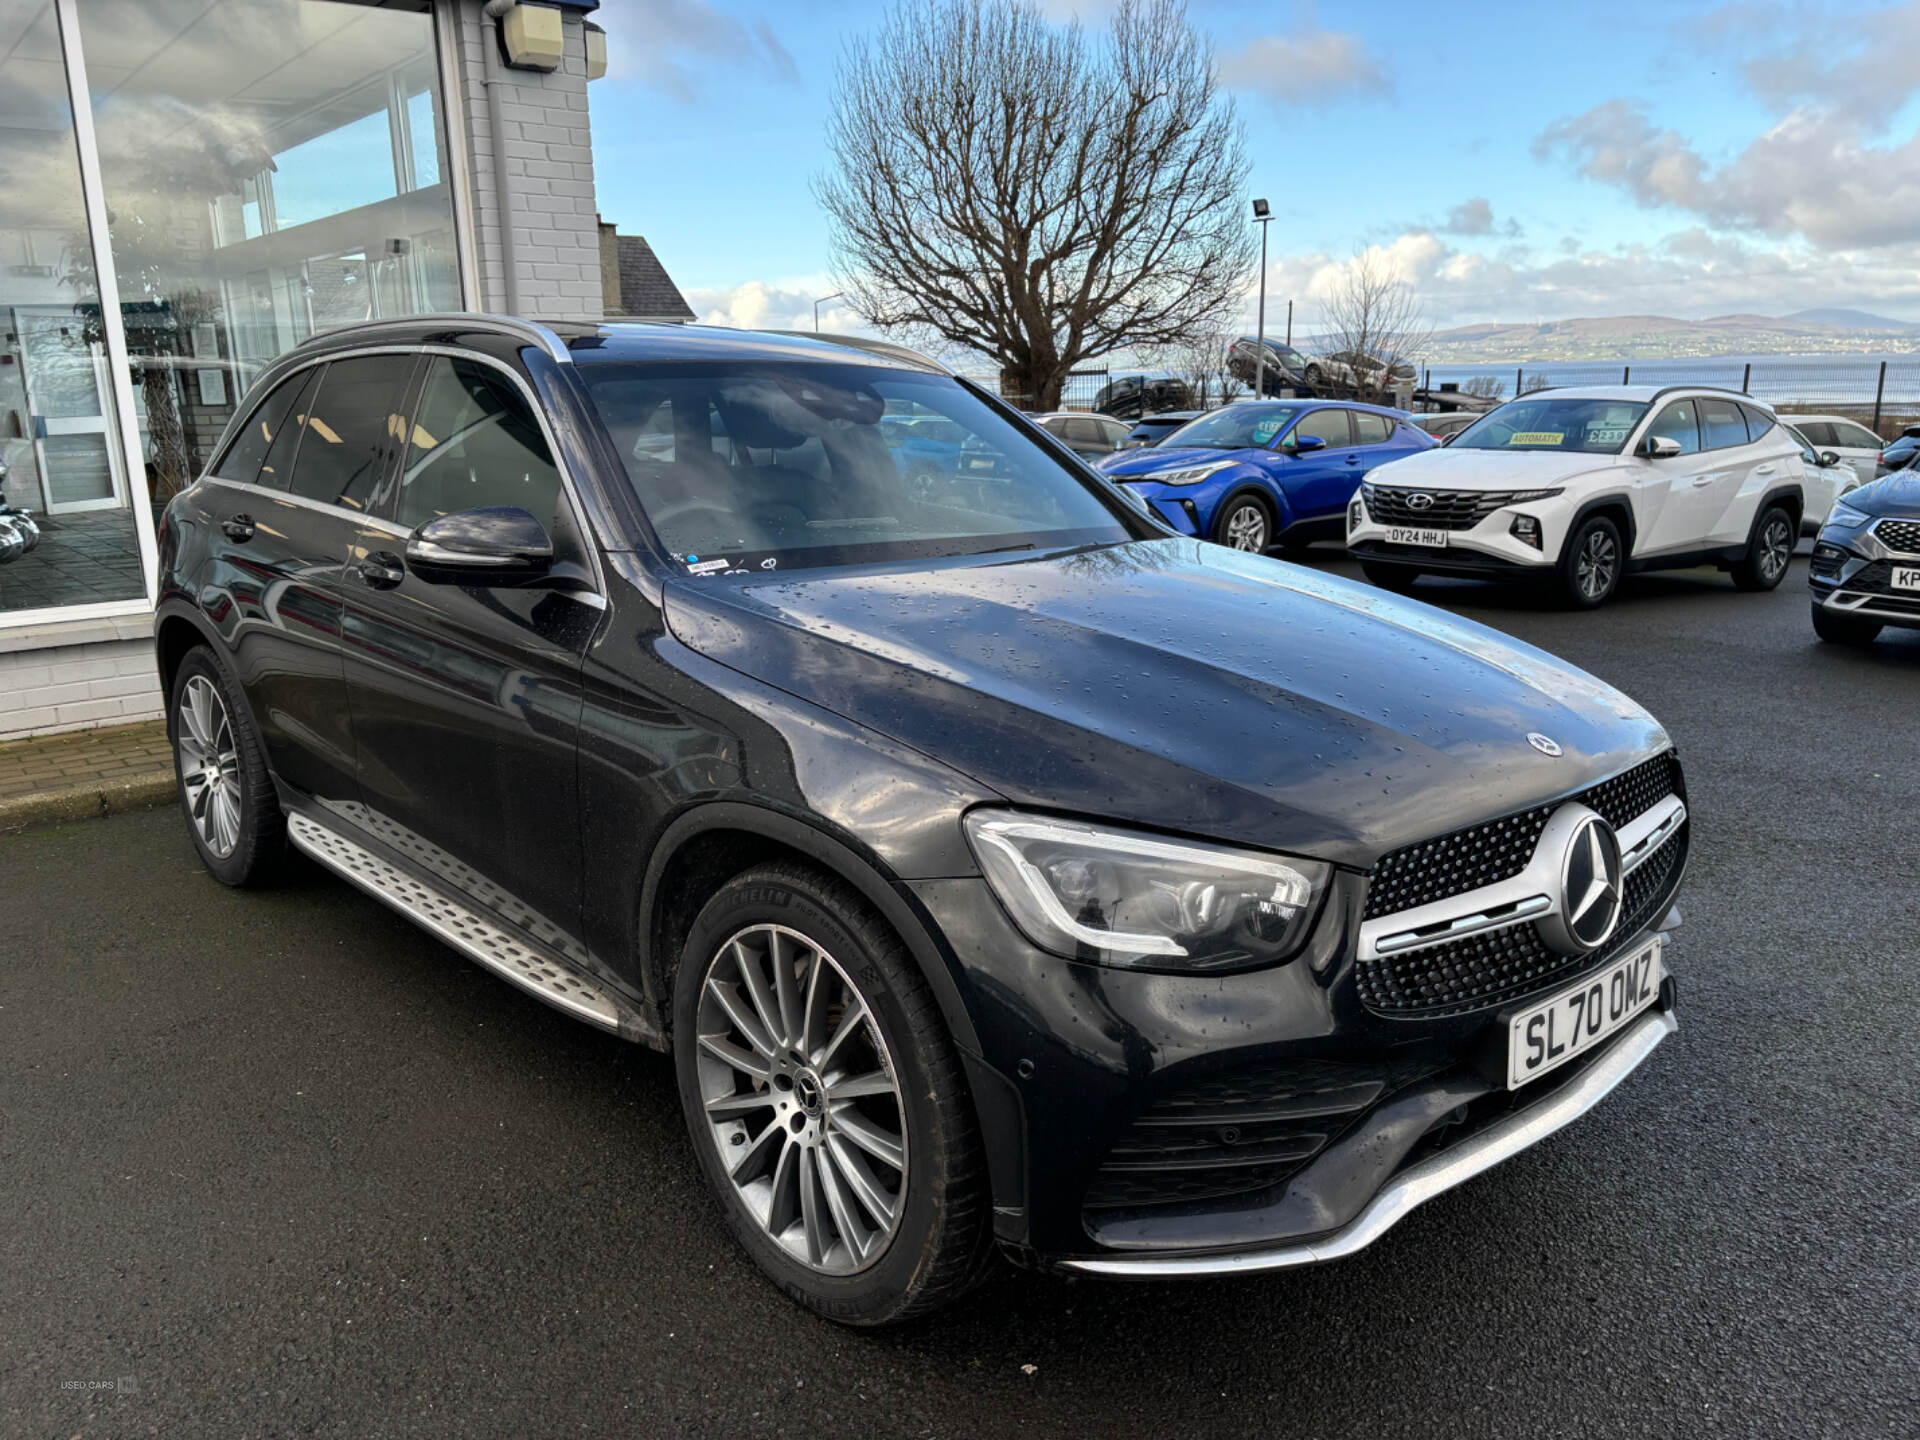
(58, 431)
(272, 168)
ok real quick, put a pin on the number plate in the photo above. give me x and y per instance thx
(1906, 577)
(1545, 1036)
(1403, 535)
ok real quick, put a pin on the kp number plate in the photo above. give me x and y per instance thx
(1545, 1036)
(1906, 577)
(1404, 535)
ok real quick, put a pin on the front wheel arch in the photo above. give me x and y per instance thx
(706, 846)
(1279, 513)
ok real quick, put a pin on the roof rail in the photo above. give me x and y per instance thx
(906, 355)
(532, 330)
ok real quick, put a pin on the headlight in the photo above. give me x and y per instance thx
(1118, 897)
(1520, 497)
(1192, 475)
(1844, 514)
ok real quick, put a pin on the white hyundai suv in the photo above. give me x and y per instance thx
(1584, 485)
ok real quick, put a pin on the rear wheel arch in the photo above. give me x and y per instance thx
(173, 637)
(707, 846)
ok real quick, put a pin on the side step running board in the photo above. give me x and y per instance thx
(532, 967)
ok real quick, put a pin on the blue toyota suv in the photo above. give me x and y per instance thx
(1256, 474)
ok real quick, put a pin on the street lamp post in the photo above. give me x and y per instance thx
(836, 295)
(1263, 216)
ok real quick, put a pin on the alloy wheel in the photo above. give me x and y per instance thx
(1247, 528)
(209, 765)
(802, 1100)
(1598, 562)
(1776, 549)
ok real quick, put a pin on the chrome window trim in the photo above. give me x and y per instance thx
(527, 393)
(1529, 895)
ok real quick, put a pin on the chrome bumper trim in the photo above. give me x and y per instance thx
(1417, 1184)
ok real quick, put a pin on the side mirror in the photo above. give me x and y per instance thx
(1658, 447)
(1829, 458)
(1305, 444)
(498, 545)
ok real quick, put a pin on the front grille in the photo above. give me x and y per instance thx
(1239, 1132)
(1489, 969)
(1901, 535)
(1876, 578)
(1498, 850)
(1449, 510)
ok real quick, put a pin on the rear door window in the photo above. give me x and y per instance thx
(354, 420)
(1722, 424)
(271, 418)
(1678, 421)
(1327, 425)
(1371, 429)
(1854, 437)
(475, 443)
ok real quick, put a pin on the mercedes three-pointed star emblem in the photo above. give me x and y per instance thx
(1592, 895)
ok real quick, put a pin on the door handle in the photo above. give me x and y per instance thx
(1763, 469)
(238, 528)
(1700, 482)
(380, 570)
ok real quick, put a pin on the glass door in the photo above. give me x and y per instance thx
(65, 373)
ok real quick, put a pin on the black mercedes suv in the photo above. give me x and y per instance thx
(1865, 571)
(1002, 871)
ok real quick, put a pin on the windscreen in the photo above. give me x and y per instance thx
(1234, 427)
(1592, 427)
(777, 466)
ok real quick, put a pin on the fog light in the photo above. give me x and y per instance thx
(1356, 514)
(1526, 529)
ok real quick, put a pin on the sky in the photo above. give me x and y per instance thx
(1512, 162)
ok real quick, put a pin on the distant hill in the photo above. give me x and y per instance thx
(1649, 337)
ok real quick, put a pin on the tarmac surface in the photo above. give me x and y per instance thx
(277, 1163)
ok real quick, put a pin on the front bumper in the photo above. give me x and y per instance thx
(1356, 1115)
(1488, 550)
(1850, 575)
(1418, 1182)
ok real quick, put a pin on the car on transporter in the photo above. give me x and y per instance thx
(1002, 871)
(1255, 474)
(1583, 486)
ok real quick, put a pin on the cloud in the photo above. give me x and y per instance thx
(1470, 217)
(1827, 169)
(1303, 66)
(775, 305)
(670, 44)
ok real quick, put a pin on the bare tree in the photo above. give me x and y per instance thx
(1484, 387)
(1031, 193)
(1201, 363)
(1374, 315)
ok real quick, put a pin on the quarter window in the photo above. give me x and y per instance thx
(351, 420)
(1758, 421)
(271, 418)
(474, 443)
(1328, 425)
(1371, 429)
(1677, 421)
(1721, 424)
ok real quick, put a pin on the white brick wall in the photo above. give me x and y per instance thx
(549, 143)
(76, 687)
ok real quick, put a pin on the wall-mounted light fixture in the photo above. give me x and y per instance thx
(596, 50)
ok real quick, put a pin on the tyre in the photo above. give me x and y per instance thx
(1843, 629)
(1592, 563)
(825, 1100)
(1397, 578)
(1316, 377)
(232, 812)
(1245, 522)
(1771, 552)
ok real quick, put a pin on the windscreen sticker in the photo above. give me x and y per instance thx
(1536, 437)
(697, 566)
(1265, 430)
(1606, 434)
